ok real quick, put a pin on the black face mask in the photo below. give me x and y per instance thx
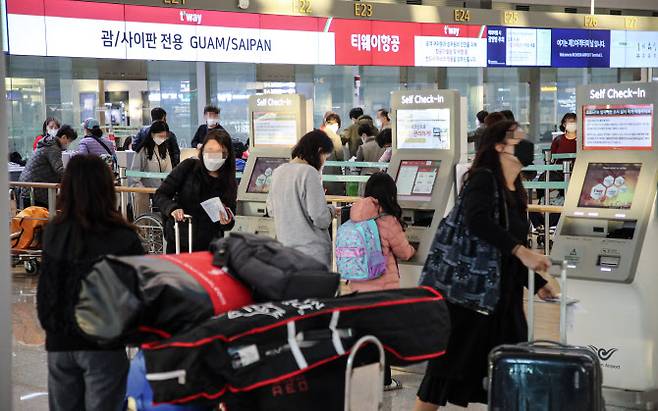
(525, 152)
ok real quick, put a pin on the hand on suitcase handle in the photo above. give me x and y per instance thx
(178, 214)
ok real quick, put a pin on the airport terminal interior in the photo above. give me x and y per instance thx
(329, 205)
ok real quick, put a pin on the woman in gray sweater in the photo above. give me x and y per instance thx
(297, 202)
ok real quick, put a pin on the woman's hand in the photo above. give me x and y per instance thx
(225, 219)
(178, 214)
(550, 291)
(533, 260)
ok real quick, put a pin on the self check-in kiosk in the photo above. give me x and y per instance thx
(608, 234)
(426, 127)
(277, 122)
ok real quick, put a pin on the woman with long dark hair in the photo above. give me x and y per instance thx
(457, 376)
(153, 156)
(81, 374)
(192, 182)
(297, 202)
(380, 203)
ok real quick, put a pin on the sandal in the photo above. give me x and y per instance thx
(394, 385)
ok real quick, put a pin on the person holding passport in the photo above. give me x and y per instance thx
(204, 188)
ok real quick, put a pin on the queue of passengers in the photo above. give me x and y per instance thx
(83, 375)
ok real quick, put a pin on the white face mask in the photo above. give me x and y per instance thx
(159, 140)
(213, 161)
(212, 122)
(378, 123)
(52, 132)
(333, 127)
(570, 127)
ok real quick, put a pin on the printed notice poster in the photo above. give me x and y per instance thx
(610, 185)
(416, 178)
(623, 127)
(275, 129)
(424, 129)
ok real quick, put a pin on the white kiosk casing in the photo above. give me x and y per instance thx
(276, 123)
(608, 233)
(426, 127)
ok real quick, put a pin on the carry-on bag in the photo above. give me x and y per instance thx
(545, 375)
(272, 271)
(263, 344)
(145, 298)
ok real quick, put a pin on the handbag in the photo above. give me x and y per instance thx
(463, 267)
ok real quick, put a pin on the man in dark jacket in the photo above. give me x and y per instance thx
(46, 165)
(159, 114)
(211, 117)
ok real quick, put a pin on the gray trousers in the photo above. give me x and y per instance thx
(87, 380)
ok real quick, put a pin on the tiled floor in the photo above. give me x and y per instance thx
(29, 358)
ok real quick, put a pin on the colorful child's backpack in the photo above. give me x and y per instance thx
(359, 254)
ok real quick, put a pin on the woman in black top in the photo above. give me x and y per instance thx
(81, 374)
(458, 376)
(194, 181)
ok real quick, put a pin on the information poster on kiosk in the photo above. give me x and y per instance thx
(610, 185)
(624, 127)
(273, 128)
(424, 129)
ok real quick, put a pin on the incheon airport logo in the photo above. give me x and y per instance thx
(605, 355)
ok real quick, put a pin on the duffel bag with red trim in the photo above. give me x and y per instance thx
(263, 344)
(139, 299)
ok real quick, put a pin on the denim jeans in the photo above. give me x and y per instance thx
(87, 380)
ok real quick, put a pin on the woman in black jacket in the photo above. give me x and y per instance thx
(81, 374)
(458, 376)
(194, 181)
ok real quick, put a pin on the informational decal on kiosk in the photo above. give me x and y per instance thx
(275, 128)
(622, 127)
(426, 129)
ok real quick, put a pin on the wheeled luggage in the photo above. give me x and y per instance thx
(263, 344)
(545, 375)
(188, 218)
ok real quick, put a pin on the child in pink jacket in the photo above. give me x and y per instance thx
(380, 200)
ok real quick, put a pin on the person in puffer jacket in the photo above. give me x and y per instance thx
(46, 165)
(380, 202)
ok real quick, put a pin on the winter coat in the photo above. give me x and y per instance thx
(369, 152)
(172, 144)
(156, 164)
(186, 187)
(394, 245)
(91, 145)
(68, 255)
(45, 166)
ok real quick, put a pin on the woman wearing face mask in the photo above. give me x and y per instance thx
(457, 376)
(153, 156)
(565, 143)
(194, 181)
(50, 128)
(296, 200)
(330, 126)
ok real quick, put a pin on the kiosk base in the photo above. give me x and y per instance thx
(255, 225)
(618, 400)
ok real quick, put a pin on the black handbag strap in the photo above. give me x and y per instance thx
(103, 145)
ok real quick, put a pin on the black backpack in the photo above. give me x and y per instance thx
(274, 272)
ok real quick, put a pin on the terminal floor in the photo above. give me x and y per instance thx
(29, 358)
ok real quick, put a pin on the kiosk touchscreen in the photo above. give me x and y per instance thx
(608, 234)
(277, 122)
(426, 146)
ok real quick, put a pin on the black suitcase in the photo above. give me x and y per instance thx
(544, 375)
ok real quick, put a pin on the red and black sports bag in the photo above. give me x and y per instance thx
(146, 298)
(263, 344)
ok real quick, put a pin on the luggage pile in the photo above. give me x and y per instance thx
(248, 322)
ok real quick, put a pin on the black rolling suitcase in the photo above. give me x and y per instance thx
(544, 375)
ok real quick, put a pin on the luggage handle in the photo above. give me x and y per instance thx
(563, 302)
(188, 218)
(544, 342)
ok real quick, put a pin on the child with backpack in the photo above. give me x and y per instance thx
(369, 245)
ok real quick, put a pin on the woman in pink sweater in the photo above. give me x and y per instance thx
(380, 202)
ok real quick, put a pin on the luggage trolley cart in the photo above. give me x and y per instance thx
(368, 378)
(30, 258)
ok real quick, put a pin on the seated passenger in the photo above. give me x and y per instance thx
(46, 165)
(297, 202)
(195, 180)
(50, 128)
(381, 203)
(81, 374)
(93, 142)
(154, 156)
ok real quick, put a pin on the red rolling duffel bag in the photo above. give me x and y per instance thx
(138, 299)
(263, 344)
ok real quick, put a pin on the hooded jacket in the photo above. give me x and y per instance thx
(45, 166)
(394, 245)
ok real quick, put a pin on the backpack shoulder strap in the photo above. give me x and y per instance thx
(103, 144)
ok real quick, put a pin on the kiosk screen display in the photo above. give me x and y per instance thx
(261, 176)
(610, 185)
(423, 129)
(274, 128)
(416, 178)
